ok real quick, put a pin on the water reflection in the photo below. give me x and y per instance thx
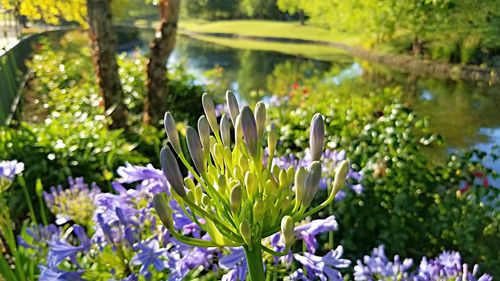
(465, 114)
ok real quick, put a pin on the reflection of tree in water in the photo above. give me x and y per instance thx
(204, 56)
(456, 110)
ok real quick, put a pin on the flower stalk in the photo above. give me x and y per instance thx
(235, 196)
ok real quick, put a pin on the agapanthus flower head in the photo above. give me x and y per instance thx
(379, 266)
(322, 268)
(447, 266)
(75, 203)
(240, 198)
(8, 170)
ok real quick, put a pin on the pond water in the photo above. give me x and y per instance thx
(465, 114)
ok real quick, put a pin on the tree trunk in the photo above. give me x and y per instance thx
(160, 49)
(103, 44)
(301, 17)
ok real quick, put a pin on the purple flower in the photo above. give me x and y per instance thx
(8, 170)
(152, 179)
(150, 254)
(236, 264)
(324, 268)
(378, 265)
(60, 249)
(308, 231)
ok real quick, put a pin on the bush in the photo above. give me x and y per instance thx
(417, 199)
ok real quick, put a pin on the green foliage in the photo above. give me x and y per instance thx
(425, 27)
(209, 9)
(413, 193)
(64, 130)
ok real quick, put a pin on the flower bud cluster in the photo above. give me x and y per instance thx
(236, 196)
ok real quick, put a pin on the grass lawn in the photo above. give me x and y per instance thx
(276, 29)
(306, 50)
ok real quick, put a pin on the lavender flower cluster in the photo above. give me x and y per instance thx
(121, 239)
(447, 266)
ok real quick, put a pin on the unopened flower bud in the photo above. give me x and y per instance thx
(190, 196)
(235, 199)
(198, 193)
(205, 200)
(317, 136)
(209, 107)
(39, 187)
(243, 162)
(300, 184)
(189, 183)
(172, 134)
(272, 139)
(219, 154)
(290, 173)
(287, 229)
(312, 182)
(259, 210)
(340, 176)
(233, 106)
(237, 173)
(222, 185)
(171, 171)
(283, 179)
(269, 189)
(246, 231)
(204, 131)
(225, 130)
(249, 128)
(250, 184)
(238, 131)
(162, 208)
(260, 119)
(194, 146)
(276, 171)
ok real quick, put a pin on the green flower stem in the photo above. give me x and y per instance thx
(274, 253)
(330, 212)
(188, 240)
(227, 231)
(10, 239)
(255, 265)
(208, 188)
(22, 182)
(192, 217)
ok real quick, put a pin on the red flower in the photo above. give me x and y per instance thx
(479, 174)
(485, 182)
(295, 85)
